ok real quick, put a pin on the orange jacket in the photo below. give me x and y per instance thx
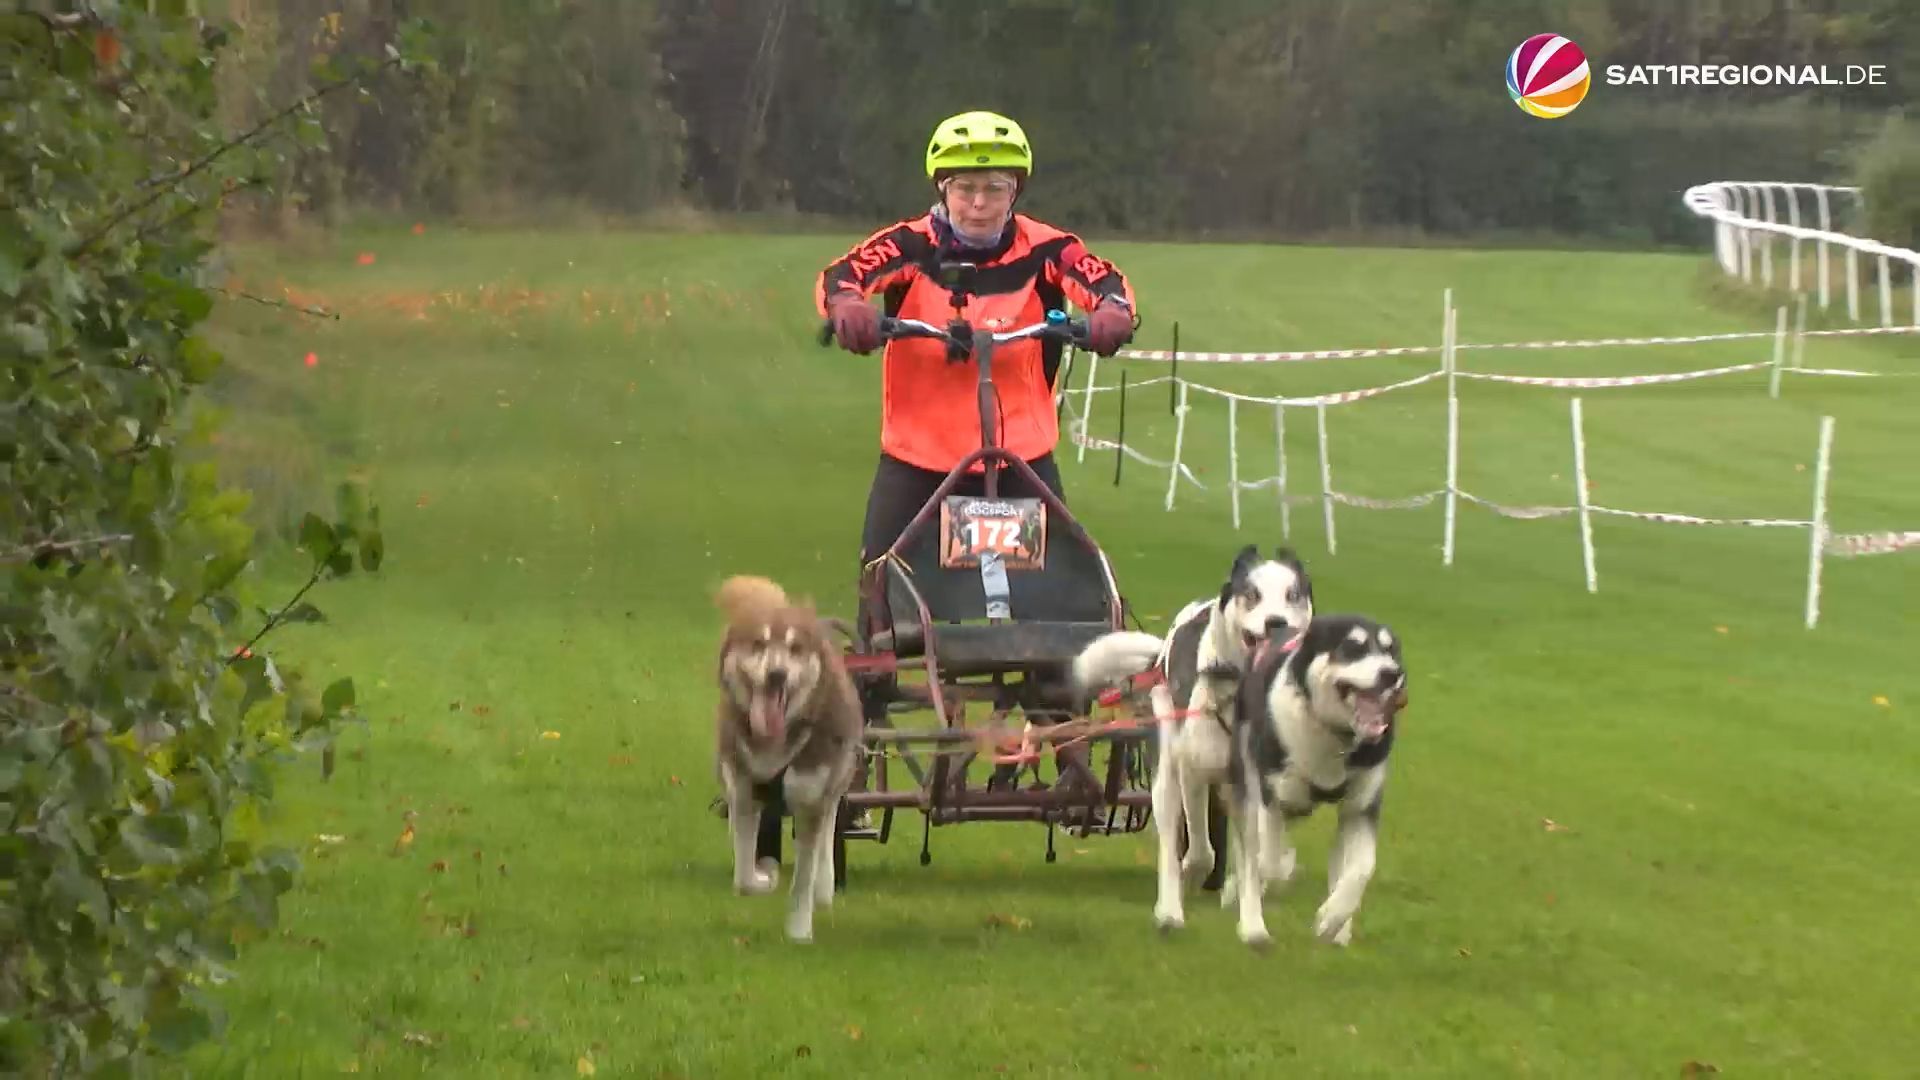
(930, 414)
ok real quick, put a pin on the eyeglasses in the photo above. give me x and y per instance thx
(969, 189)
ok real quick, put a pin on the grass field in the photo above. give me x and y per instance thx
(575, 437)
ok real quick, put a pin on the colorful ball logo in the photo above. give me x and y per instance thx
(1547, 76)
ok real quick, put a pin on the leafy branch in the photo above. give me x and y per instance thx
(207, 159)
(332, 548)
(49, 547)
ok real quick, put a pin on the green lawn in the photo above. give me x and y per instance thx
(575, 437)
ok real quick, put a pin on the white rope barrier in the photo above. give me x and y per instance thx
(1568, 343)
(1861, 544)
(1450, 493)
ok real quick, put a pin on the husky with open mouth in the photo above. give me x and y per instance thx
(1314, 726)
(788, 726)
(1265, 603)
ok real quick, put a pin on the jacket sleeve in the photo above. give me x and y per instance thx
(1087, 279)
(880, 260)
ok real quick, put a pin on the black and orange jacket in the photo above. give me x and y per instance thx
(930, 416)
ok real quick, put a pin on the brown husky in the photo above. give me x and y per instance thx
(789, 723)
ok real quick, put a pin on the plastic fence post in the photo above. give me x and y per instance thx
(1580, 497)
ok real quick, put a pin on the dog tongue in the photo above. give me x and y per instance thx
(769, 714)
(1369, 714)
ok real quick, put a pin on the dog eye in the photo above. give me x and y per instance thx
(1253, 596)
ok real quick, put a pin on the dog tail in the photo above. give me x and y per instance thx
(746, 598)
(1113, 657)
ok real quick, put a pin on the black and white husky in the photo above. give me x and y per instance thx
(1264, 604)
(1314, 725)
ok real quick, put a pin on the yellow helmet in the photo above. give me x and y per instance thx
(979, 140)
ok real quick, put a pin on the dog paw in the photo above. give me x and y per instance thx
(1169, 919)
(1197, 865)
(1256, 938)
(760, 881)
(800, 930)
(1333, 926)
(1279, 869)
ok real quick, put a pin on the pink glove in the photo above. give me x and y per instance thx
(855, 323)
(1109, 327)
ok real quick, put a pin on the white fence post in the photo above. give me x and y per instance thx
(1086, 404)
(1800, 332)
(1853, 284)
(1886, 293)
(1326, 479)
(1779, 352)
(1280, 446)
(1179, 438)
(1819, 543)
(1233, 457)
(1793, 219)
(1450, 357)
(1826, 226)
(1580, 497)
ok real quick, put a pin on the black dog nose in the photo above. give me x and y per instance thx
(776, 678)
(1276, 626)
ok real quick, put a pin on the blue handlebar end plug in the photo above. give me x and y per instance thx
(1056, 316)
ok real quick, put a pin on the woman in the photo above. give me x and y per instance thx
(979, 163)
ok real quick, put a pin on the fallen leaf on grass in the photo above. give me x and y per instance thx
(584, 1067)
(1721, 630)
(675, 781)
(620, 759)
(549, 734)
(439, 866)
(803, 1051)
(854, 1032)
(1465, 953)
(329, 838)
(405, 841)
(482, 710)
(1015, 922)
(417, 1038)
(1554, 826)
(1881, 700)
(351, 1066)
(1082, 851)
(1698, 1068)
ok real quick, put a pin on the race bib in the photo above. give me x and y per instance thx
(1014, 530)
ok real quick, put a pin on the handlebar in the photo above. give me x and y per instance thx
(1056, 327)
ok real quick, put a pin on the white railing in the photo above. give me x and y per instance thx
(1748, 215)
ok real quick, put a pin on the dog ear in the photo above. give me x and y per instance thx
(1243, 564)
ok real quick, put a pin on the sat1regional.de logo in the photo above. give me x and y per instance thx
(1547, 76)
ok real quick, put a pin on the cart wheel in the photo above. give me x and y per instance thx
(926, 858)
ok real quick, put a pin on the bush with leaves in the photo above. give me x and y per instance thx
(140, 729)
(1886, 168)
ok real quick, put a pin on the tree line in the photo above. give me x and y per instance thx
(1256, 117)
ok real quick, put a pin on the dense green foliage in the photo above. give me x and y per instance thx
(1236, 117)
(139, 728)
